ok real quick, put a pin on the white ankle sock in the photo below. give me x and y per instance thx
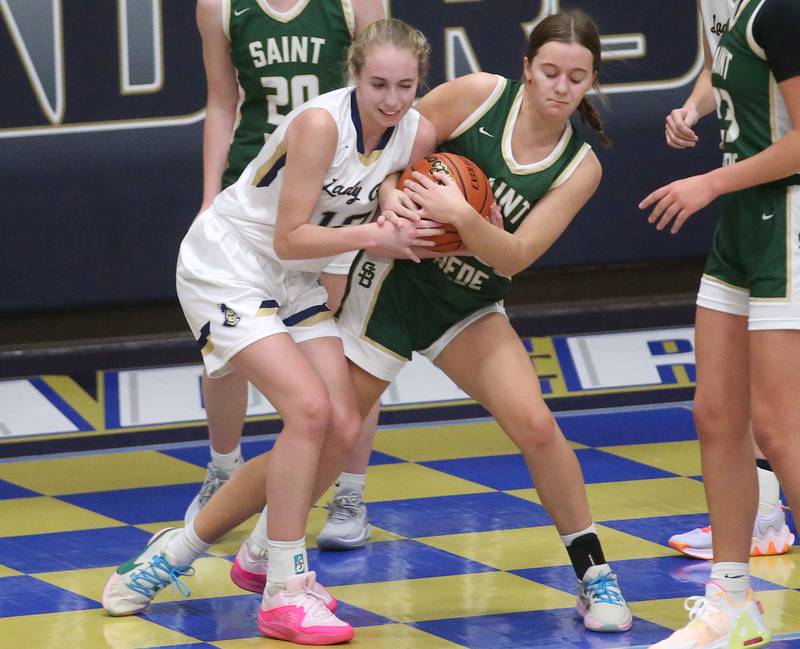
(769, 491)
(228, 462)
(258, 537)
(351, 482)
(567, 539)
(185, 547)
(286, 559)
(733, 578)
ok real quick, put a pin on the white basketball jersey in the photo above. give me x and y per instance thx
(716, 14)
(349, 194)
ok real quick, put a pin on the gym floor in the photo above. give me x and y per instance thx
(462, 553)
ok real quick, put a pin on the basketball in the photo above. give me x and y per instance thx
(469, 178)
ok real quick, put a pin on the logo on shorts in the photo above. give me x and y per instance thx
(231, 317)
(366, 275)
(767, 217)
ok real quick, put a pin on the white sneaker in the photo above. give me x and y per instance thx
(215, 478)
(136, 582)
(771, 536)
(600, 602)
(249, 572)
(715, 622)
(299, 615)
(347, 527)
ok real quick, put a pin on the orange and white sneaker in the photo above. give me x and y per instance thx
(249, 572)
(298, 614)
(715, 622)
(771, 536)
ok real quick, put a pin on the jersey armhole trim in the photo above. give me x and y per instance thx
(349, 17)
(751, 39)
(226, 8)
(573, 165)
(481, 110)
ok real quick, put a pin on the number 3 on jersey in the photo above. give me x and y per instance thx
(289, 93)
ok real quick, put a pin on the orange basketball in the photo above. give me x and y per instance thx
(469, 178)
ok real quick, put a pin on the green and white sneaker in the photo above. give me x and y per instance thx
(136, 582)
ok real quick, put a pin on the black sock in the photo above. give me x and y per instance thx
(585, 552)
(763, 464)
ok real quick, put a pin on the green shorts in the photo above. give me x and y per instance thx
(753, 269)
(392, 309)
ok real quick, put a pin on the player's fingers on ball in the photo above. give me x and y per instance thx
(422, 179)
(444, 178)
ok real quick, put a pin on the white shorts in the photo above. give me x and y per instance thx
(233, 296)
(340, 264)
(382, 362)
(761, 313)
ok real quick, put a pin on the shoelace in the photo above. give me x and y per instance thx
(317, 609)
(214, 480)
(696, 605)
(344, 508)
(604, 588)
(148, 580)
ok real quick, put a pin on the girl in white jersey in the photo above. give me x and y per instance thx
(248, 283)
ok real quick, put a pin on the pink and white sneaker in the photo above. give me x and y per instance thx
(298, 614)
(249, 572)
(771, 536)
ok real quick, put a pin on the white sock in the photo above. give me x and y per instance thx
(184, 548)
(567, 539)
(733, 578)
(286, 559)
(349, 482)
(228, 462)
(258, 537)
(769, 491)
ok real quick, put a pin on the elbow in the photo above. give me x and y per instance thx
(282, 248)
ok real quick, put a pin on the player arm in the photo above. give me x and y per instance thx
(222, 98)
(450, 103)
(679, 123)
(311, 141)
(367, 12)
(511, 253)
(395, 200)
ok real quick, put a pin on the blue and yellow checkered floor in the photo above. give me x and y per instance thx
(462, 553)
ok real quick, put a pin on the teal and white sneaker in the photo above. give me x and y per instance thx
(600, 601)
(136, 582)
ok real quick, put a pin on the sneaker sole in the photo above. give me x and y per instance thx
(599, 627)
(332, 543)
(284, 632)
(250, 581)
(770, 546)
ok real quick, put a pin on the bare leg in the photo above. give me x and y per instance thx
(722, 415)
(225, 401)
(776, 406)
(487, 361)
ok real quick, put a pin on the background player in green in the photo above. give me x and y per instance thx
(747, 327)
(450, 309)
(771, 535)
(262, 59)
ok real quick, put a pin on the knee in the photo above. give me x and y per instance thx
(716, 424)
(769, 433)
(535, 432)
(311, 414)
(345, 428)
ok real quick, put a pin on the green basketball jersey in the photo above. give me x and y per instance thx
(751, 112)
(485, 138)
(282, 60)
